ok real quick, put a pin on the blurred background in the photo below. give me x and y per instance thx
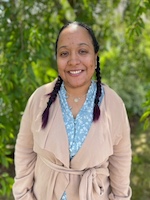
(28, 30)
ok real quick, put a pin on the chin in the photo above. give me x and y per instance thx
(78, 85)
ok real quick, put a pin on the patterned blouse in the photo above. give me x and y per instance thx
(78, 128)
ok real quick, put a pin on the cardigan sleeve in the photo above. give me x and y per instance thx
(25, 158)
(120, 161)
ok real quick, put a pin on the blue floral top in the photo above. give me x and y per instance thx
(78, 128)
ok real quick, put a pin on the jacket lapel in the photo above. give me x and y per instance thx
(57, 140)
(54, 137)
(98, 143)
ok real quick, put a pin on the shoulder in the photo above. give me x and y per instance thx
(111, 96)
(113, 103)
(41, 92)
(45, 89)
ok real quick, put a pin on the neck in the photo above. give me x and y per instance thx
(78, 91)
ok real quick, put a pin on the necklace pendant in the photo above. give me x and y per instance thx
(76, 100)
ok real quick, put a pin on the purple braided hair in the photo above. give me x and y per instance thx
(52, 98)
(96, 110)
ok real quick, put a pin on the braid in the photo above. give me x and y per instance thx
(52, 98)
(96, 110)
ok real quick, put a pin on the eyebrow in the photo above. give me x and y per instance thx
(80, 44)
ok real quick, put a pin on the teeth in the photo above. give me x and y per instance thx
(75, 72)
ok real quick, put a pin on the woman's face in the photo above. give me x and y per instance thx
(76, 59)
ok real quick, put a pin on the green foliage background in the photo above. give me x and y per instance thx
(28, 30)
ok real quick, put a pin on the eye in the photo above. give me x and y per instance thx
(83, 51)
(64, 54)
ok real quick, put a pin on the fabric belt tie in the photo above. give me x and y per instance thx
(88, 183)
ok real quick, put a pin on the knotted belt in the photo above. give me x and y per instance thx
(88, 180)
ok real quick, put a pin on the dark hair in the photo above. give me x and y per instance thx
(53, 95)
(90, 31)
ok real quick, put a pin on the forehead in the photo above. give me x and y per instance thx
(76, 33)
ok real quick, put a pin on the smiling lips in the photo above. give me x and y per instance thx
(76, 72)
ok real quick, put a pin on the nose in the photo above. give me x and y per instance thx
(73, 59)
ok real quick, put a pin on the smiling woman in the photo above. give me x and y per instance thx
(76, 59)
(78, 147)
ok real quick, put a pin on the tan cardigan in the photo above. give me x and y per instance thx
(99, 171)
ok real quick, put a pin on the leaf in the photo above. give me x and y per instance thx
(145, 115)
(2, 126)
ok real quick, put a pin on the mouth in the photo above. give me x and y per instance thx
(75, 72)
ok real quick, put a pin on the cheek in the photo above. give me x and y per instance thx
(61, 62)
(59, 65)
(61, 68)
(92, 64)
(92, 71)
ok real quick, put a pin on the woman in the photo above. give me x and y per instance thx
(78, 147)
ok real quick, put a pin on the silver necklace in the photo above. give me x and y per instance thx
(75, 99)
